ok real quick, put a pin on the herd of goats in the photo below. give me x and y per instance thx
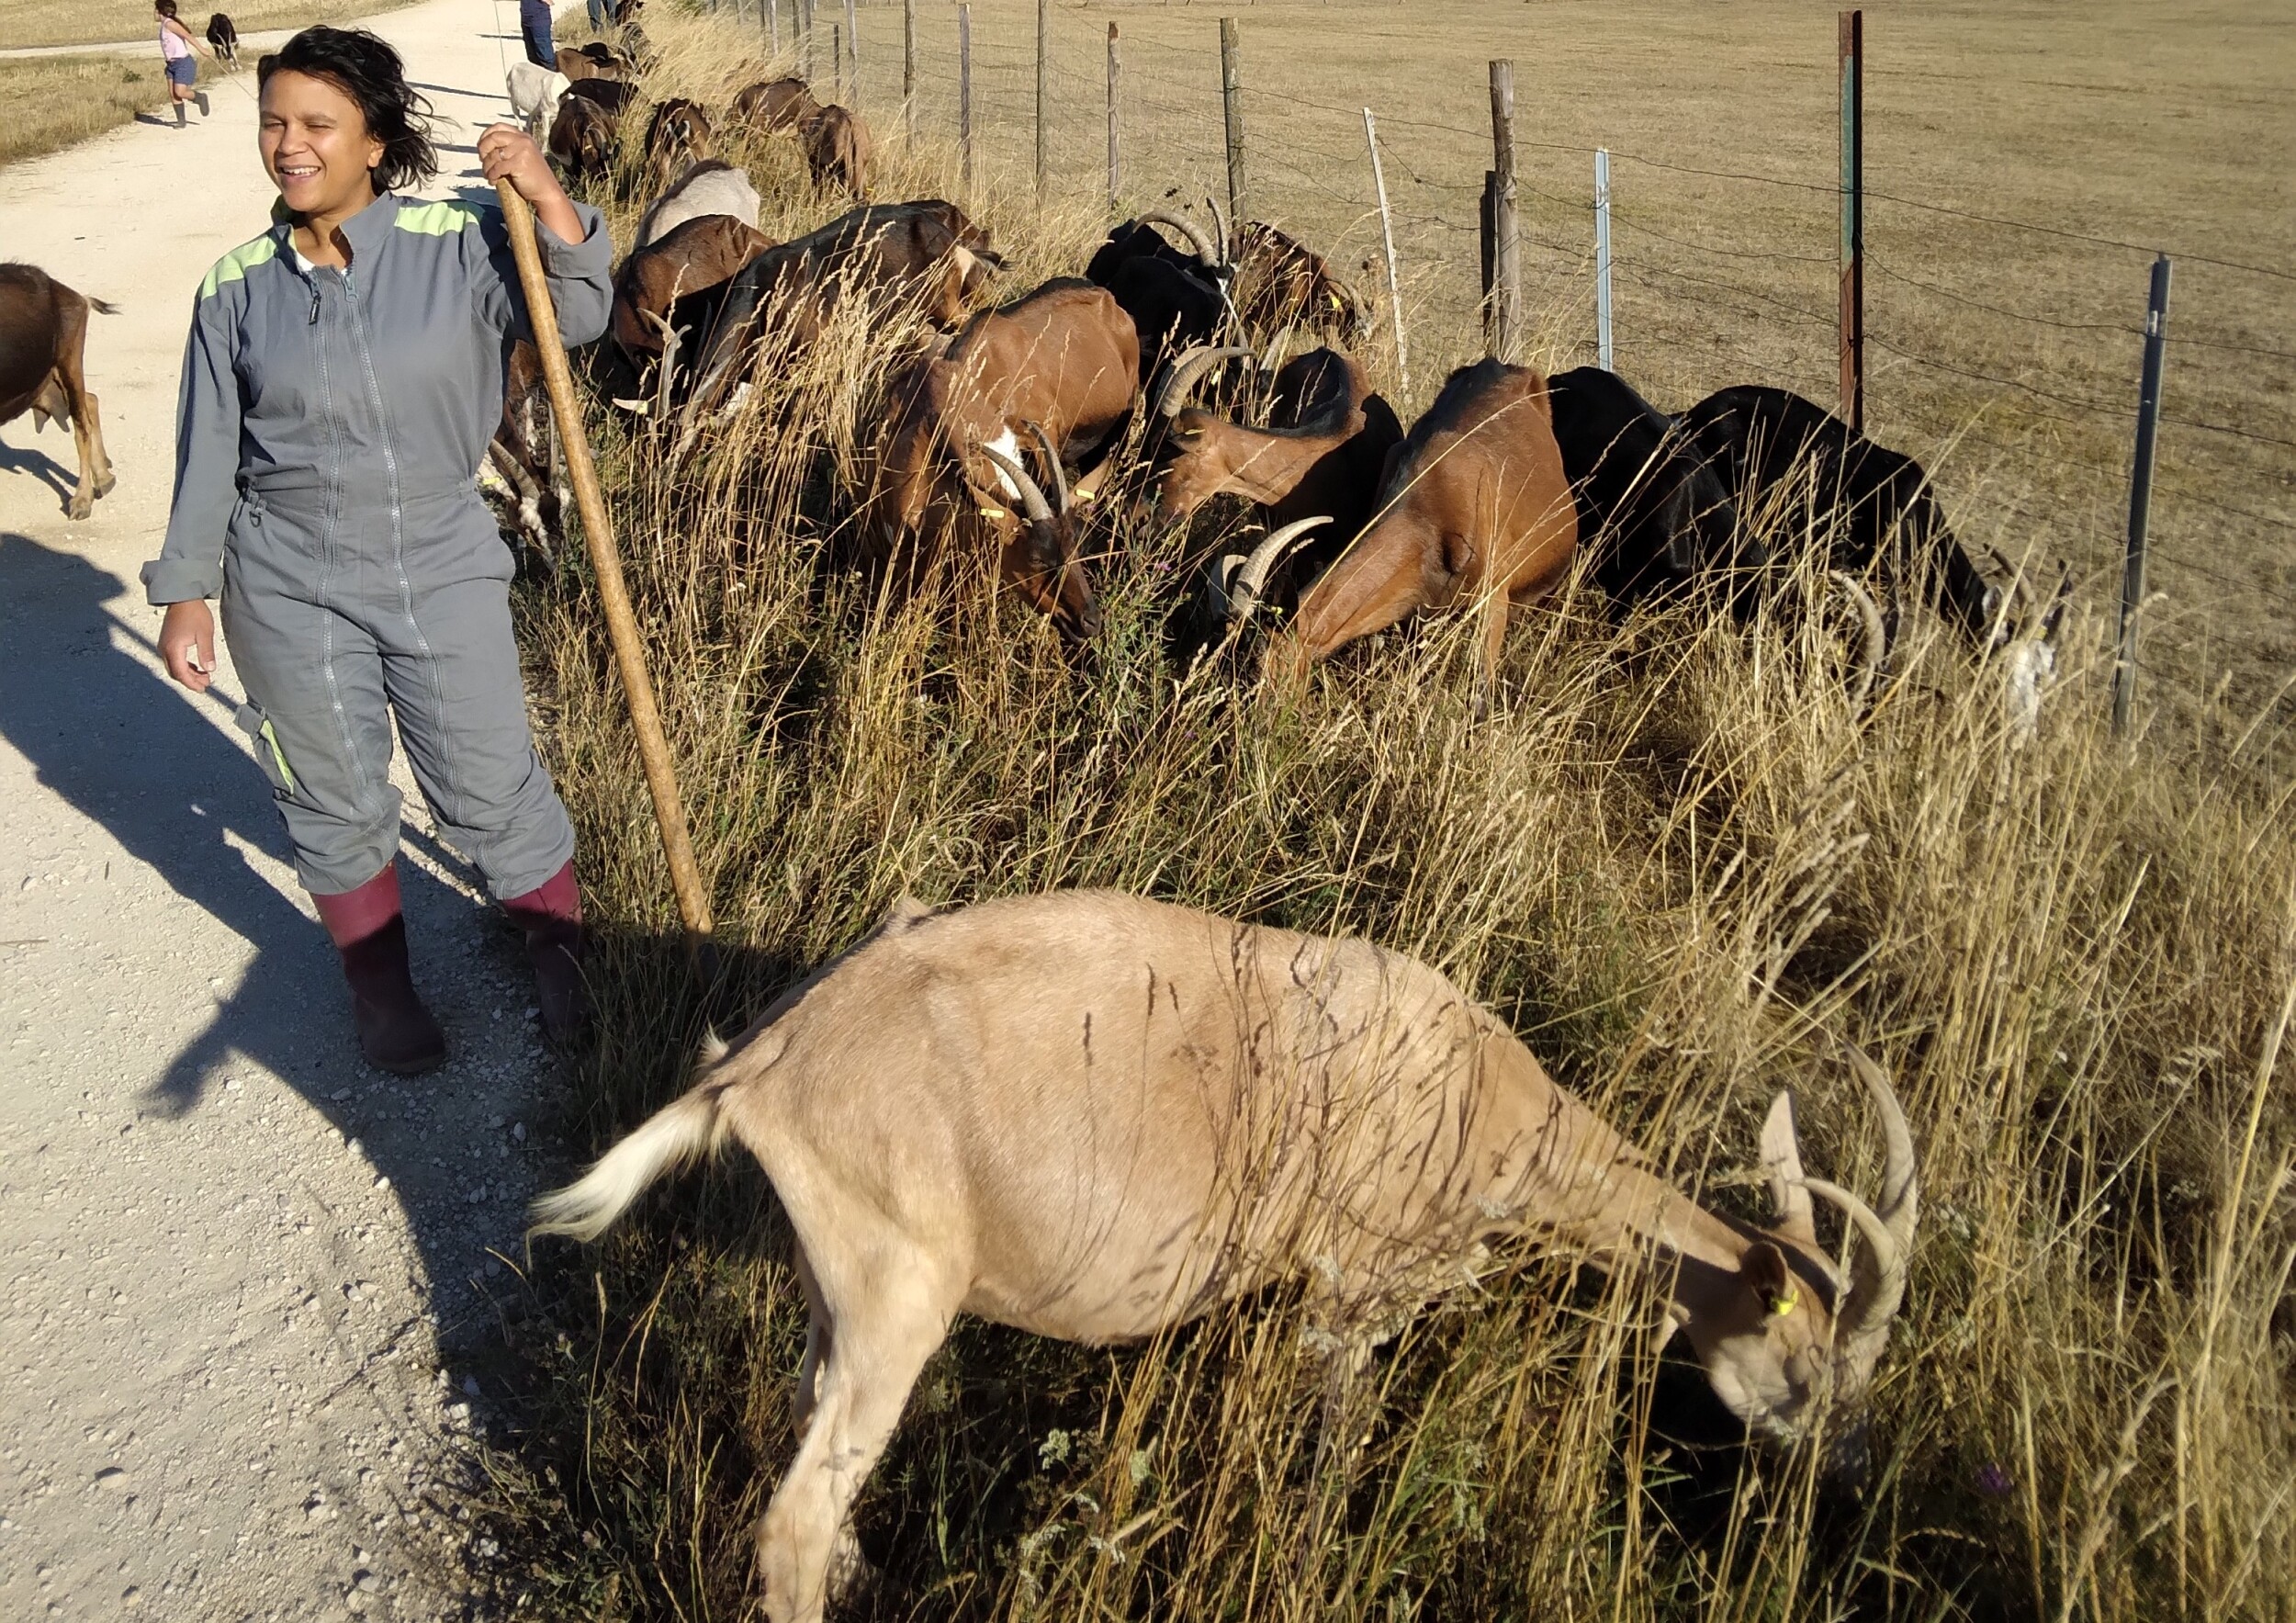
(998, 433)
(1095, 1116)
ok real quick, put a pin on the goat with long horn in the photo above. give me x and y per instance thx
(1093, 1117)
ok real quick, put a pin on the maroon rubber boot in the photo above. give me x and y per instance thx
(551, 915)
(396, 1032)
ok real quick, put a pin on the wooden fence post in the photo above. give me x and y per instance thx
(1231, 113)
(1605, 355)
(1387, 236)
(1506, 271)
(852, 51)
(2141, 495)
(1853, 324)
(1043, 87)
(965, 92)
(908, 69)
(1116, 85)
(769, 20)
(805, 18)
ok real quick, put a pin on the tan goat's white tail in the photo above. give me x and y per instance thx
(668, 1139)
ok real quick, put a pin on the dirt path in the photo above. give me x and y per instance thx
(238, 1263)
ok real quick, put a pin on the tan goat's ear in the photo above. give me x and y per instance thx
(1765, 1273)
(1790, 1208)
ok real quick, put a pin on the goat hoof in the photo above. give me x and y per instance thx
(105, 486)
(79, 507)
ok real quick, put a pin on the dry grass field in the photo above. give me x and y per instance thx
(1670, 855)
(90, 22)
(53, 101)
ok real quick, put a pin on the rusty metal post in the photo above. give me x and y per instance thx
(2141, 495)
(1853, 325)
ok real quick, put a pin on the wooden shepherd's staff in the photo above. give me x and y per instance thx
(661, 778)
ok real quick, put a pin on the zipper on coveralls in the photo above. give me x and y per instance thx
(398, 516)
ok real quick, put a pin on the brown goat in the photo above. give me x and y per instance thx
(837, 151)
(1324, 451)
(1060, 366)
(776, 104)
(43, 343)
(676, 135)
(1476, 508)
(692, 257)
(927, 250)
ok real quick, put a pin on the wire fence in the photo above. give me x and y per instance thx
(2003, 350)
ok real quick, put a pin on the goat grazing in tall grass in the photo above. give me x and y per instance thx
(1093, 1117)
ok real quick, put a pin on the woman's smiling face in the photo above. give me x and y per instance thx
(315, 145)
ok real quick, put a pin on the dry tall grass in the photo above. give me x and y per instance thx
(50, 102)
(1673, 859)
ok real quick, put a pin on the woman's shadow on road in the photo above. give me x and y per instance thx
(132, 751)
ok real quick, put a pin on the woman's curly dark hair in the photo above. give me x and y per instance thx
(368, 70)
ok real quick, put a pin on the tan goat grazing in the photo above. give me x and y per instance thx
(1094, 1116)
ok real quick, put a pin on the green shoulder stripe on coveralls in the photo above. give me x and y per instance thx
(435, 220)
(235, 265)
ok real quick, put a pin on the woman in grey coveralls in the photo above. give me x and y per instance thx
(342, 378)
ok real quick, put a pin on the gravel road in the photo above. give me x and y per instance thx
(241, 1269)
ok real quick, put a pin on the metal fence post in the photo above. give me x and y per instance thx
(1853, 324)
(836, 59)
(1606, 355)
(1387, 237)
(1506, 271)
(965, 92)
(1231, 113)
(1116, 85)
(2141, 495)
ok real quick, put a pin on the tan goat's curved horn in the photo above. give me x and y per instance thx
(1252, 579)
(1875, 643)
(1180, 376)
(1879, 1271)
(1901, 1190)
(1207, 253)
(1032, 501)
(1790, 1211)
(1877, 1282)
(1052, 461)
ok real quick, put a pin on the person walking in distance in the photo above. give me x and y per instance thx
(343, 372)
(177, 46)
(534, 27)
(602, 16)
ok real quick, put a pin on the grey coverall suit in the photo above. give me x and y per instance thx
(328, 438)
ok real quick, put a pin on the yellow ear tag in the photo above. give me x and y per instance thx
(1086, 495)
(1781, 1305)
(1334, 298)
(992, 512)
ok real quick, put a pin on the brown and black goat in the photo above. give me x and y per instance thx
(1323, 455)
(1475, 509)
(1059, 366)
(662, 302)
(582, 137)
(836, 151)
(677, 136)
(1281, 283)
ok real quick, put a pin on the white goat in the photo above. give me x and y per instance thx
(710, 186)
(1093, 1116)
(534, 92)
